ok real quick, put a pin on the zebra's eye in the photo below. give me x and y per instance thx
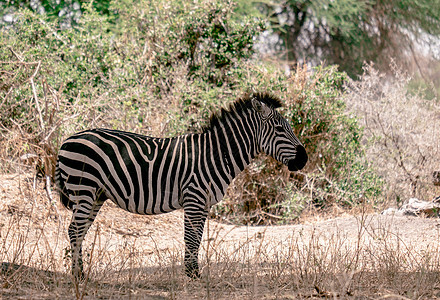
(279, 128)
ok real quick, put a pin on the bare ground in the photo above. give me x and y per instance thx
(130, 256)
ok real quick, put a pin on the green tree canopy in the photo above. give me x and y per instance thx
(349, 32)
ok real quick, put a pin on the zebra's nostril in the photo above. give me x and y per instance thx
(299, 161)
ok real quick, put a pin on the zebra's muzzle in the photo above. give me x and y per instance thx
(299, 161)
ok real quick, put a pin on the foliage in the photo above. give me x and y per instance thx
(349, 32)
(318, 109)
(110, 70)
(337, 171)
(142, 51)
(161, 68)
(64, 12)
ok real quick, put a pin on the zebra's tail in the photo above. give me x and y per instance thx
(60, 184)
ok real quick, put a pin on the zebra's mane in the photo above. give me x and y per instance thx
(242, 104)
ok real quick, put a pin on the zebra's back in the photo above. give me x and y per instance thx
(140, 174)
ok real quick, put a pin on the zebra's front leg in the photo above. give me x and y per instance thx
(83, 216)
(194, 222)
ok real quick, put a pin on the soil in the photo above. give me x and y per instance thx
(23, 198)
(167, 229)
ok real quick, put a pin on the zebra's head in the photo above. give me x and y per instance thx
(276, 137)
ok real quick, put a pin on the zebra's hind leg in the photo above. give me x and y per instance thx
(194, 221)
(84, 213)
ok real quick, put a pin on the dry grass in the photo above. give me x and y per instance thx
(130, 256)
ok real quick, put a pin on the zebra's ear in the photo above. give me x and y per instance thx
(262, 108)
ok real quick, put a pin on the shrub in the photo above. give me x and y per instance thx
(402, 130)
(121, 70)
(161, 68)
(337, 171)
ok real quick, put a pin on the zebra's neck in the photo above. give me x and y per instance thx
(235, 144)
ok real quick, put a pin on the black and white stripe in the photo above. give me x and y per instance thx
(146, 175)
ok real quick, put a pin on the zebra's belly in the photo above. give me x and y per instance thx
(148, 205)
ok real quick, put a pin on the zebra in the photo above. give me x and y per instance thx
(148, 175)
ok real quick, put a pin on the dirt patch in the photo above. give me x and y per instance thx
(133, 255)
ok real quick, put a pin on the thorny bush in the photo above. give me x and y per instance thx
(161, 68)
